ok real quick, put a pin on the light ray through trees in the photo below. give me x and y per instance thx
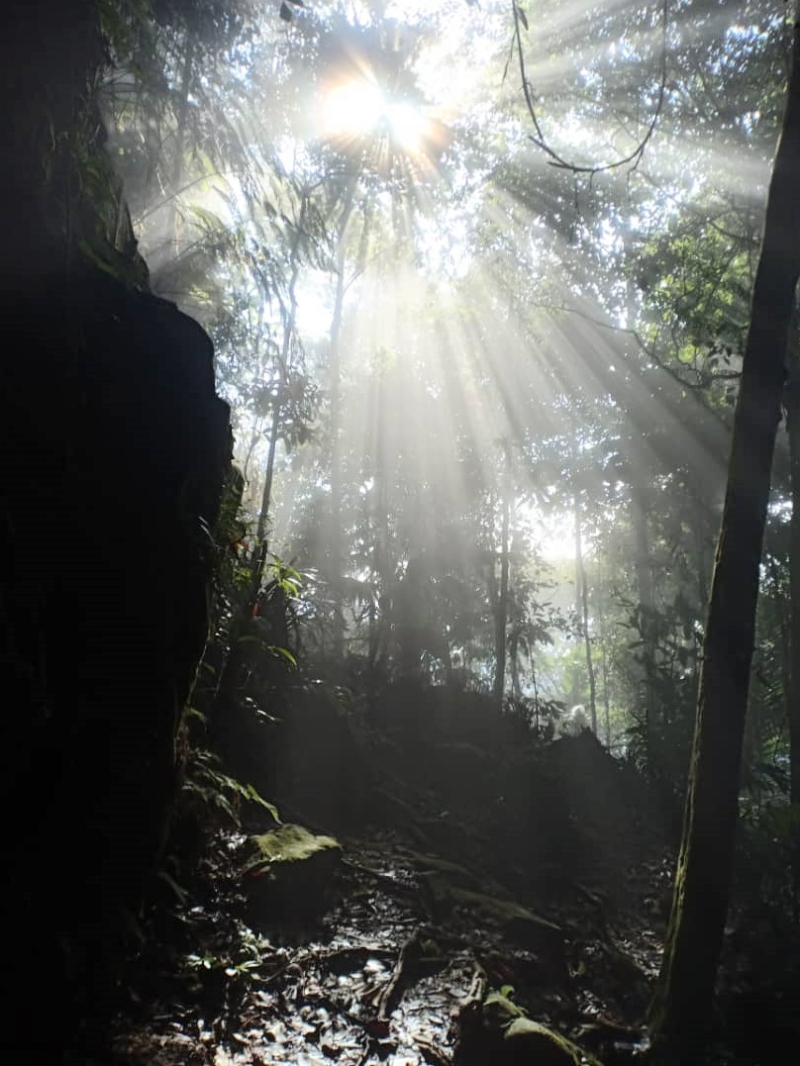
(483, 292)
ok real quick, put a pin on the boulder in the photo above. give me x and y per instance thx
(287, 873)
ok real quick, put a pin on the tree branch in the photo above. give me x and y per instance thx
(555, 158)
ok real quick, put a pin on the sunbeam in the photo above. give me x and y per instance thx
(401, 531)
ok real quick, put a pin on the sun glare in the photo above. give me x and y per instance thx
(407, 125)
(359, 108)
(352, 109)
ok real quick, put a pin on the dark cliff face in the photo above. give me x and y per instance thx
(113, 451)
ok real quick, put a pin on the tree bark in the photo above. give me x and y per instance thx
(684, 997)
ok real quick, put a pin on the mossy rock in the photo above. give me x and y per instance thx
(287, 872)
(499, 1011)
(526, 1041)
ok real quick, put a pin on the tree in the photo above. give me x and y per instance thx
(682, 1005)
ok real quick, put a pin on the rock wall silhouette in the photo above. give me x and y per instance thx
(113, 451)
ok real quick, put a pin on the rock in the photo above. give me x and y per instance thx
(526, 1041)
(288, 871)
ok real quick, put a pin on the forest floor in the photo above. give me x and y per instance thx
(418, 945)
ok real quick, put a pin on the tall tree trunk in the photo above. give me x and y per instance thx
(335, 532)
(646, 596)
(181, 119)
(684, 997)
(289, 324)
(513, 656)
(576, 688)
(381, 608)
(583, 603)
(225, 713)
(604, 668)
(501, 610)
(606, 697)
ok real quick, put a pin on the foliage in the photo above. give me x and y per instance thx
(208, 793)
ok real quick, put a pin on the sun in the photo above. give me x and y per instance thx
(358, 108)
(407, 124)
(352, 109)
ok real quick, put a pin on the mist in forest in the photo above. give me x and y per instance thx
(401, 525)
(477, 281)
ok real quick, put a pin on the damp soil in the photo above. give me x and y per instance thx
(392, 954)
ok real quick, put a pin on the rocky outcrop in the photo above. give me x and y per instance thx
(113, 451)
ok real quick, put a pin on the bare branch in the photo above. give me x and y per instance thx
(555, 159)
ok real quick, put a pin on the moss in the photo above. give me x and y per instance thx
(289, 844)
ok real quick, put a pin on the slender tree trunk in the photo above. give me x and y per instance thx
(255, 433)
(501, 612)
(683, 1001)
(336, 534)
(379, 613)
(577, 689)
(606, 700)
(646, 596)
(604, 641)
(269, 470)
(513, 655)
(793, 423)
(583, 601)
(181, 119)
(280, 401)
(235, 662)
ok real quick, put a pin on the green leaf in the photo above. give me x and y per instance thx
(253, 795)
(284, 653)
(192, 712)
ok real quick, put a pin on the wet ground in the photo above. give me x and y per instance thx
(397, 964)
